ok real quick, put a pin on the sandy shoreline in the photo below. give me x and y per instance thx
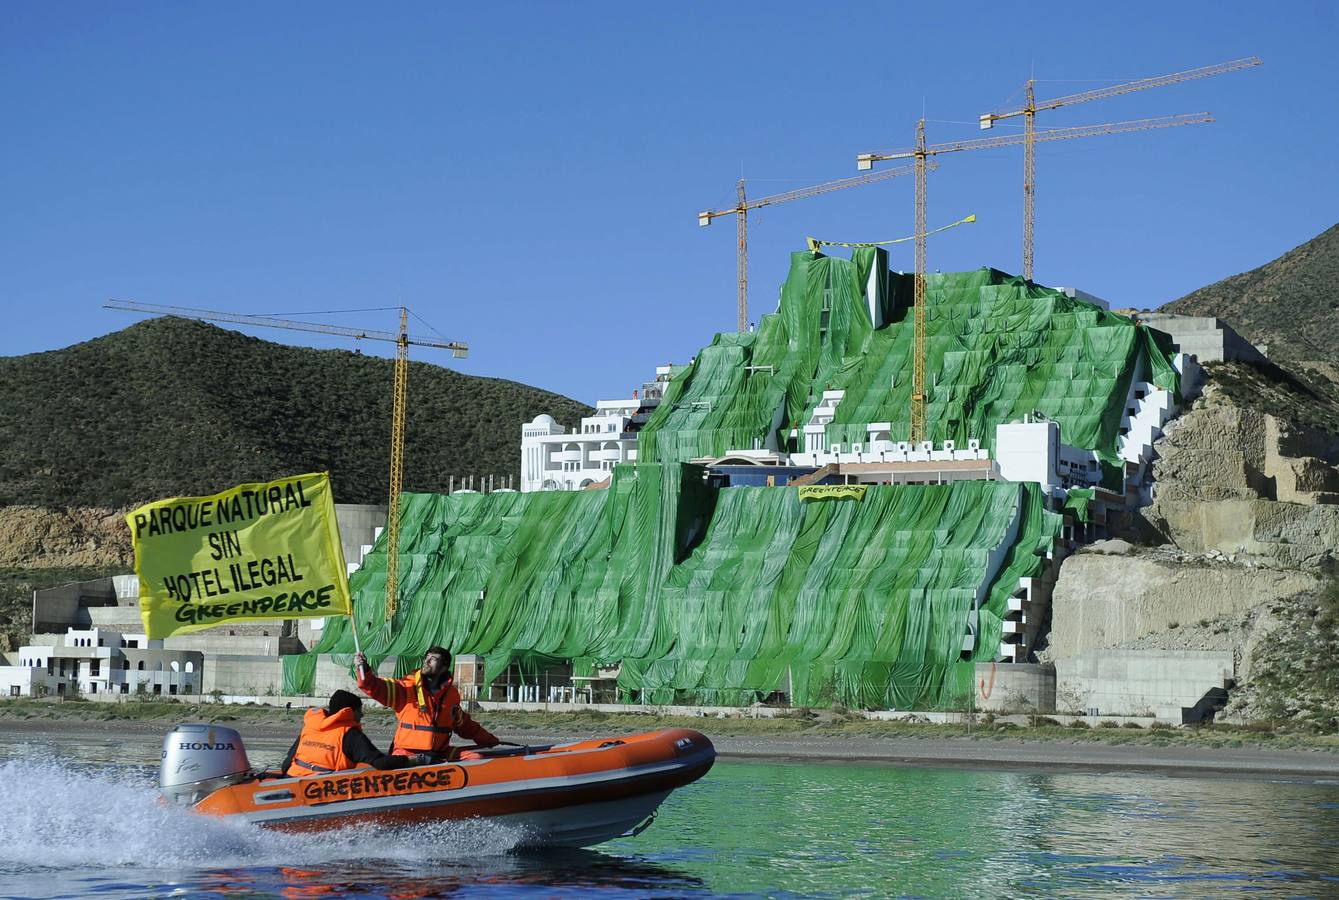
(982, 751)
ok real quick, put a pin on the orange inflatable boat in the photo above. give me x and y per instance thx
(575, 794)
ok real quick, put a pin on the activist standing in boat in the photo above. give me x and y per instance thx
(332, 740)
(427, 705)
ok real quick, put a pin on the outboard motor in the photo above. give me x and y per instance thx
(200, 759)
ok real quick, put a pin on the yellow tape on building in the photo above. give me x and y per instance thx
(833, 491)
(257, 551)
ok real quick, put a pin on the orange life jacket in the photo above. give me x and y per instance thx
(427, 722)
(321, 744)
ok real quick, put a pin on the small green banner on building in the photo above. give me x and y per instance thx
(833, 492)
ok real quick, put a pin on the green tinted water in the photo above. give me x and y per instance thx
(880, 831)
(82, 819)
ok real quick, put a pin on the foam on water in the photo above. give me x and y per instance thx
(61, 815)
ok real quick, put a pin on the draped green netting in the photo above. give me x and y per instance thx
(747, 390)
(709, 596)
(997, 347)
(1026, 557)
(470, 565)
(1076, 503)
(725, 596)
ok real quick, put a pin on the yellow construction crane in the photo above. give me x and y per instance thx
(741, 210)
(1031, 107)
(921, 153)
(399, 396)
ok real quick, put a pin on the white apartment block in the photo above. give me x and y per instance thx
(101, 661)
(554, 458)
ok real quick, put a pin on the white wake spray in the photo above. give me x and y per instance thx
(70, 816)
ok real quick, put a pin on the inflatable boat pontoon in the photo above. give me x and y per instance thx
(575, 794)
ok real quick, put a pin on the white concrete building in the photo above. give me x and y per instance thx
(556, 459)
(101, 661)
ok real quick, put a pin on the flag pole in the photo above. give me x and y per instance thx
(353, 626)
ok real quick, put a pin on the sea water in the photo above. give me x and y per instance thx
(76, 824)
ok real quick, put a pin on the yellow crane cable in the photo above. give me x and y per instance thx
(815, 243)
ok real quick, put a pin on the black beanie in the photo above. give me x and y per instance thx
(343, 700)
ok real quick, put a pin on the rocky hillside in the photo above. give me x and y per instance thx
(1238, 553)
(176, 407)
(72, 538)
(1235, 480)
(43, 548)
(1308, 396)
(1291, 304)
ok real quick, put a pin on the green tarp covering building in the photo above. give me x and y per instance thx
(997, 348)
(723, 596)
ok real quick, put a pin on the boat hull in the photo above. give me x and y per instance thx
(585, 825)
(576, 794)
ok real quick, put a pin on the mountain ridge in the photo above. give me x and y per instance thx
(170, 407)
(1290, 304)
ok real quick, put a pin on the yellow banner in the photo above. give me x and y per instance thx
(257, 551)
(833, 491)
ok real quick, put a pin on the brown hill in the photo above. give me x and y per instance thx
(171, 407)
(1291, 304)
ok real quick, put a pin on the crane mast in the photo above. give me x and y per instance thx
(399, 405)
(918, 312)
(399, 397)
(742, 258)
(1029, 180)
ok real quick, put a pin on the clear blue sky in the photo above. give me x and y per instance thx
(525, 176)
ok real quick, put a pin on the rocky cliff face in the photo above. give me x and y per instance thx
(1235, 554)
(1147, 598)
(35, 538)
(42, 548)
(1240, 482)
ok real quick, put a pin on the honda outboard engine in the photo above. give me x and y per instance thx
(200, 759)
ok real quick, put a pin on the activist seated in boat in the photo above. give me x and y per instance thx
(332, 740)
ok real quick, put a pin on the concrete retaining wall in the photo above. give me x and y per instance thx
(1163, 683)
(222, 644)
(706, 712)
(1015, 687)
(125, 619)
(55, 609)
(1206, 338)
(249, 675)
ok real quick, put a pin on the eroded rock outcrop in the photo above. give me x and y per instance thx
(1165, 601)
(1238, 481)
(1232, 568)
(32, 537)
